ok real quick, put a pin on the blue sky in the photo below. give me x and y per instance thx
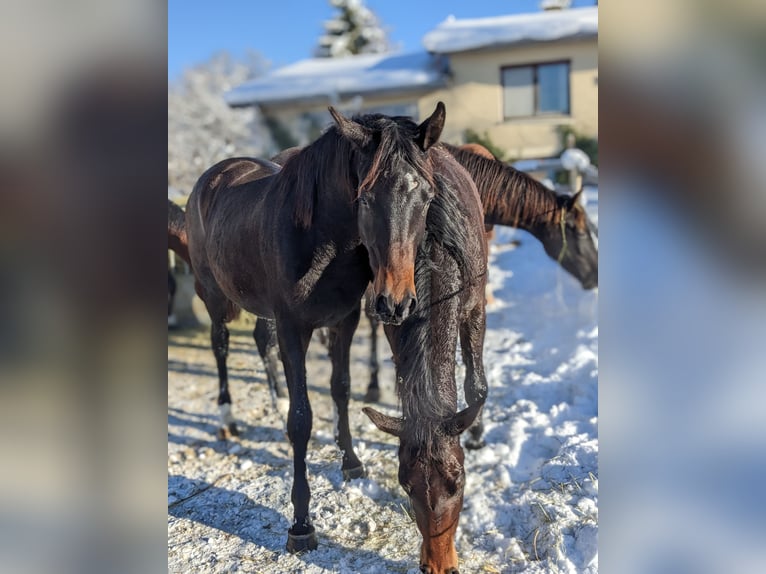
(285, 31)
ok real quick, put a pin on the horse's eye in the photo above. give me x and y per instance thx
(363, 201)
(414, 185)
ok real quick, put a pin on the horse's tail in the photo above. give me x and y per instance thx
(177, 240)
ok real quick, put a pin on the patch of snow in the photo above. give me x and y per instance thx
(341, 77)
(454, 35)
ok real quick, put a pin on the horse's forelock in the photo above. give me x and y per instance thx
(396, 142)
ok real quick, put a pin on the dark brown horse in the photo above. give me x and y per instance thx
(293, 246)
(424, 233)
(513, 198)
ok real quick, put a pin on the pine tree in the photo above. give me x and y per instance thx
(354, 30)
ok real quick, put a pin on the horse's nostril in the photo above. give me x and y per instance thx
(454, 571)
(425, 569)
(381, 305)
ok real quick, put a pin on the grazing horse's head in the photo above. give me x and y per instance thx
(396, 186)
(433, 477)
(572, 240)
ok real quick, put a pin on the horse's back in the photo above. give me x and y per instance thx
(226, 175)
(219, 202)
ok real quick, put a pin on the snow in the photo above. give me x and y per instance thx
(341, 77)
(531, 497)
(455, 35)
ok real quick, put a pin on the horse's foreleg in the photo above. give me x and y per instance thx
(472, 345)
(265, 335)
(373, 390)
(340, 383)
(219, 340)
(293, 343)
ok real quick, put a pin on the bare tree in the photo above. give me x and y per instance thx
(202, 128)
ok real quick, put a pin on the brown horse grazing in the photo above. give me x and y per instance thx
(425, 237)
(293, 246)
(511, 197)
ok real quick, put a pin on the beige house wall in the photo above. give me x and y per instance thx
(474, 99)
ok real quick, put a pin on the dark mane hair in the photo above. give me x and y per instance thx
(529, 201)
(425, 406)
(317, 166)
(395, 138)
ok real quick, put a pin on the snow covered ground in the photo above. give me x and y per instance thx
(531, 498)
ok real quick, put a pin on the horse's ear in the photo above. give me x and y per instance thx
(575, 198)
(349, 128)
(430, 130)
(458, 422)
(391, 425)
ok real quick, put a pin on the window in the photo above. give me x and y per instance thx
(535, 90)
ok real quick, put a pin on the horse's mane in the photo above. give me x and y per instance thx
(425, 406)
(510, 197)
(322, 165)
(395, 137)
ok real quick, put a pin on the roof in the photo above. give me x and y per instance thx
(454, 35)
(332, 78)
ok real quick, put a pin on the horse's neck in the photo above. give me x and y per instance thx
(428, 393)
(509, 197)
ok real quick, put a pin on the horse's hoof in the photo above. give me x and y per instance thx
(301, 542)
(233, 430)
(372, 396)
(474, 443)
(352, 473)
(221, 433)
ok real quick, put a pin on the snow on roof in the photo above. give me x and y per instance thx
(454, 35)
(330, 78)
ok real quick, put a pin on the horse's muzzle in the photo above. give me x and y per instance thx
(390, 312)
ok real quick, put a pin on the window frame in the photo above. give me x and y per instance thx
(536, 89)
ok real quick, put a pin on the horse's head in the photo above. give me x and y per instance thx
(434, 479)
(395, 188)
(572, 240)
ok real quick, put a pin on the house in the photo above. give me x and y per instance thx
(516, 78)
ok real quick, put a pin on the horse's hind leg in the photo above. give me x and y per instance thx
(373, 390)
(219, 309)
(471, 345)
(265, 335)
(340, 384)
(219, 339)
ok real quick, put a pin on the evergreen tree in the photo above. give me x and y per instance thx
(354, 30)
